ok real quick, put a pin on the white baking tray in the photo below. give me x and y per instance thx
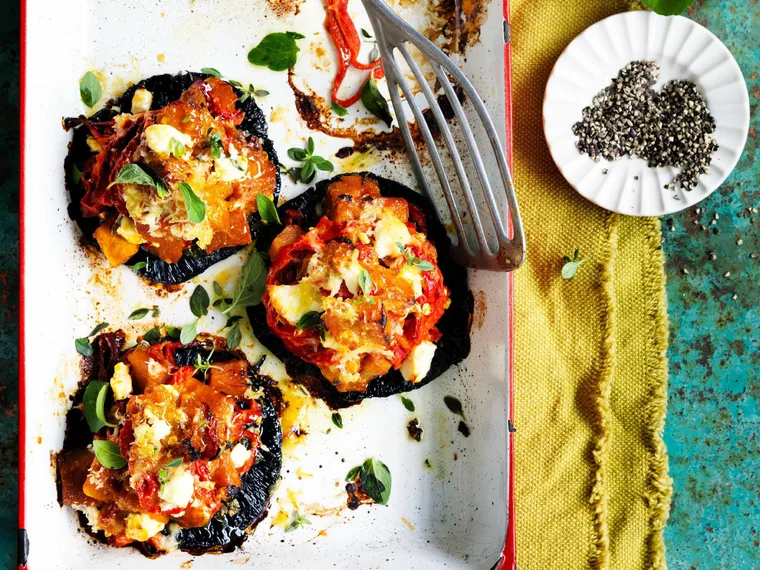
(453, 515)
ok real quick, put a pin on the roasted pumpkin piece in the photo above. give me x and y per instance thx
(116, 249)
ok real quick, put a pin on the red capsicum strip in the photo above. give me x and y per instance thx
(342, 30)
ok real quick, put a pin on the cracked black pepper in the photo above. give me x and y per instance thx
(672, 127)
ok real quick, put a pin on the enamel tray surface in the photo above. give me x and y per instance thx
(451, 515)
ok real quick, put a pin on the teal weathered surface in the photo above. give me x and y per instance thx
(714, 394)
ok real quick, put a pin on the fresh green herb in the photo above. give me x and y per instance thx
(408, 404)
(234, 336)
(94, 402)
(163, 474)
(454, 405)
(375, 478)
(186, 119)
(312, 320)
(353, 472)
(199, 301)
(366, 34)
(375, 102)
(250, 91)
(155, 313)
(196, 208)
(108, 454)
(204, 365)
(83, 345)
(177, 148)
(153, 335)
(174, 462)
(414, 261)
(76, 174)
(90, 89)
(337, 420)
(365, 282)
(173, 332)
(138, 266)
(339, 110)
(267, 209)
(138, 314)
(571, 265)
(298, 522)
(311, 163)
(133, 174)
(218, 289)
(668, 7)
(188, 333)
(214, 144)
(211, 71)
(428, 464)
(161, 188)
(250, 286)
(277, 51)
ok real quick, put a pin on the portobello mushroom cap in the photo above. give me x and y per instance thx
(225, 531)
(454, 344)
(166, 88)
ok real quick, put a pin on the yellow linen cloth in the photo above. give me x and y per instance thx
(591, 477)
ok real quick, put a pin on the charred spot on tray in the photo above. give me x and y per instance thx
(414, 429)
(464, 429)
(452, 348)
(165, 89)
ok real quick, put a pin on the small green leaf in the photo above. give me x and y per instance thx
(309, 320)
(97, 329)
(174, 462)
(199, 301)
(234, 336)
(351, 475)
(90, 89)
(83, 346)
(138, 314)
(138, 266)
(152, 335)
(408, 404)
(211, 71)
(93, 403)
(173, 332)
(277, 51)
(188, 333)
(322, 164)
(375, 102)
(365, 282)
(454, 405)
(250, 287)
(267, 209)
(196, 208)
(310, 146)
(133, 174)
(366, 34)
(299, 522)
(218, 289)
(215, 146)
(177, 148)
(668, 7)
(570, 268)
(421, 265)
(161, 188)
(337, 420)
(76, 174)
(375, 478)
(339, 110)
(186, 119)
(297, 154)
(108, 454)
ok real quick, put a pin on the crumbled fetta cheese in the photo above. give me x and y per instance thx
(389, 232)
(178, 491)
(155, 368)
(159, 138)
(92, 515)
(413, 276)
(121, 381)
(294, 301)
(417, 363)
(148, 434)
(141, 101)
(142, 526)
(239, 455)
(350, 273)
(128, 231)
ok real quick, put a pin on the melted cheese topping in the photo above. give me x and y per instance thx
(417, 364)
(294, 301)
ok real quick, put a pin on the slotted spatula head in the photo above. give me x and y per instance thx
(491, 246)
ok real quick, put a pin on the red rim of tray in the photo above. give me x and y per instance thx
(507, 558)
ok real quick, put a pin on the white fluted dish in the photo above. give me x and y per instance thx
(684, 50)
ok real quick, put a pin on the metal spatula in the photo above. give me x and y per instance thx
(503, 253)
